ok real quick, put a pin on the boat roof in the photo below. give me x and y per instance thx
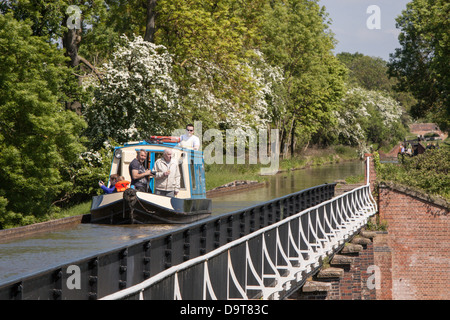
(165, 142)
(148, 143)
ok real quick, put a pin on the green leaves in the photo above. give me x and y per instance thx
(421, 64)
(429, 171)
(295, 38)
(242, 64)
(38, 135)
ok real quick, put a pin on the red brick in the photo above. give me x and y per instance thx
(419, 240)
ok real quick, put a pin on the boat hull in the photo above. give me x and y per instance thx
(132, 207)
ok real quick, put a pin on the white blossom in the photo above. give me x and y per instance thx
(137, 97)
(356, 105)
(223, 108)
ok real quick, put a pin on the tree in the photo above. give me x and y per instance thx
(38, 136)
(296, 38)
(218, 49)
(212, 61)
(372, 73)
(367, 72)
(368, 117)
(61, 21)
(137, 97)
(421, 65)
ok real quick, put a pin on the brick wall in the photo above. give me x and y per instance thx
(346, 277)
(412, 258)
(415, 261)
(383, 259)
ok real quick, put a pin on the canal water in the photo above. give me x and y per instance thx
(43, 251)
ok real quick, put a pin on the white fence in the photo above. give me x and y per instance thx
(266, 262)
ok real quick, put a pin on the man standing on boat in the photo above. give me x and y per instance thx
(167, 175)
(190, 140)
(139, 175)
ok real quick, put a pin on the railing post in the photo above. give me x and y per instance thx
(17, 291)
(277, 211)
(147, 259)
(123, 268)
(252, 220)
(186, 245)
(242, 218)
(168, 252)
(230, 229)
(93, 279)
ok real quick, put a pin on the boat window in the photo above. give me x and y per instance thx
(192, 170)
(181, 170)
(150, 163)
(158, 155)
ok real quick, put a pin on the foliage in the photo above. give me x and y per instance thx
(372, 73)
(429, 171)
(102, 30)
(215, 67)
(367, 72)
(45, 17)
(230, 64)
(421, 64)
(369, 116)
(38, 137)
(296, 38)
(137, 97)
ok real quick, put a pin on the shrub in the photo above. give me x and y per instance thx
(428, 171)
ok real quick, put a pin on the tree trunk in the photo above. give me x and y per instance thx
(71, 42)
(293, 138)
(289, 141)
(150, 22)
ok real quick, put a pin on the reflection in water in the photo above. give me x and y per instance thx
(43, 251)
(286, 183)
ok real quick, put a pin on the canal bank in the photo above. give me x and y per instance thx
(218, 175)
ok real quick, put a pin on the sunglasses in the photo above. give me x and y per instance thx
(190, 130)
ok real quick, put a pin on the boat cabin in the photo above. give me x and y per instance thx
(132, 206)
(190, 163)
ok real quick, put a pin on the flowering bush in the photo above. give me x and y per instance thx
(368, 116)
(240, 96)
(137, 97)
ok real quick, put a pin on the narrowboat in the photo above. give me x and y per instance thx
(132, 207)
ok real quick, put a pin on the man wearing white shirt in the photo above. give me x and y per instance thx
(167, 175)
(189, 140)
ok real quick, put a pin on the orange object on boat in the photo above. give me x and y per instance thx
(122, 185)
(165, 139)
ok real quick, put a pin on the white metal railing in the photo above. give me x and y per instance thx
(297, 245)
